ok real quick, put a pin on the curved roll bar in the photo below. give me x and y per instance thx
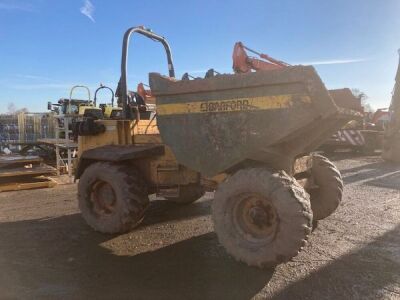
(72, 90)
(122, 90)
(100, 88)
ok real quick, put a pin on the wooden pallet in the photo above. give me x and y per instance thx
(27, 172)
(62, 143)
(33, 183)
(24, 172)
(11, 160)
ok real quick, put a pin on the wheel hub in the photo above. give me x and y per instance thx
(255, 216)
(259, 216)
(103, 198)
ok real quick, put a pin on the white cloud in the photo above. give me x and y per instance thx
(333, 61)
(34, 77)
(48, 86)
(40, 86)
(15, 5)
(88, 10)
(24, 82)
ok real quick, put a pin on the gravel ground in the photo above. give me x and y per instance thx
(48, 252)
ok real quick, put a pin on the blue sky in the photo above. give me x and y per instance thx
(46, 46)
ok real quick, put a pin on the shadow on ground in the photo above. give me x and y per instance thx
(361, 274)
(340, 155)
(164, 211)
(380, 174)
(62, 258)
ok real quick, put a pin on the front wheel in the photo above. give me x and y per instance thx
(261, 218)
(112, 198)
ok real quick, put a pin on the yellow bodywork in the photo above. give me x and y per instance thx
(83, 108)
(231, 105)
(112, 112)
(160, 171)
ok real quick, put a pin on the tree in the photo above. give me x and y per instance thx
(12, 109)
(363, 99)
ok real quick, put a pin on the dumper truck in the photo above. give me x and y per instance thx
(248, 137)
(75, 107)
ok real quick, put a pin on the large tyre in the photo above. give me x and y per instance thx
(112, 198)
(327, 196)
(188, 194)
(261, 218)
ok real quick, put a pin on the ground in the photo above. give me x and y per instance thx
(47, 251)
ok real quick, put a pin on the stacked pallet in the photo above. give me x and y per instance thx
(24, 172)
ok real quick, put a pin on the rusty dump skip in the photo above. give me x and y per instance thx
(344, 98)
(214, 124)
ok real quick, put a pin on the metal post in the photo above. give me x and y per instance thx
(58, 160)
(68, 146)
(21, 127)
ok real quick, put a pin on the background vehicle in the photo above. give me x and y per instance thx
(109, 110)
(360, 134)
(76, 107)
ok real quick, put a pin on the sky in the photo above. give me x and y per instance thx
(47, 46)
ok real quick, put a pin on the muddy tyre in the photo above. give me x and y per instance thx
(188, 194)
(327, 196)
(112, 198)
(261, 218)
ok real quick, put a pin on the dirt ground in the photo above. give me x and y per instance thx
(47, 251)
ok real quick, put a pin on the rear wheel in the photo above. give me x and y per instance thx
(326, 197)
(261, 218)
(112, 198)
(188, 194)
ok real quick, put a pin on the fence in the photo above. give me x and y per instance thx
(26, 128)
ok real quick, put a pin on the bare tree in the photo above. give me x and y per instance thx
(22, 110)
(363, 99)
(12, 109)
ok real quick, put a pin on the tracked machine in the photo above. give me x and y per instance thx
(246, 136)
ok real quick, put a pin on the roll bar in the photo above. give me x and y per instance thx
(72, 90)
(100, 88)
(122, 90)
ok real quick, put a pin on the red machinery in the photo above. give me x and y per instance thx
(145, 94)
(242, 63)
